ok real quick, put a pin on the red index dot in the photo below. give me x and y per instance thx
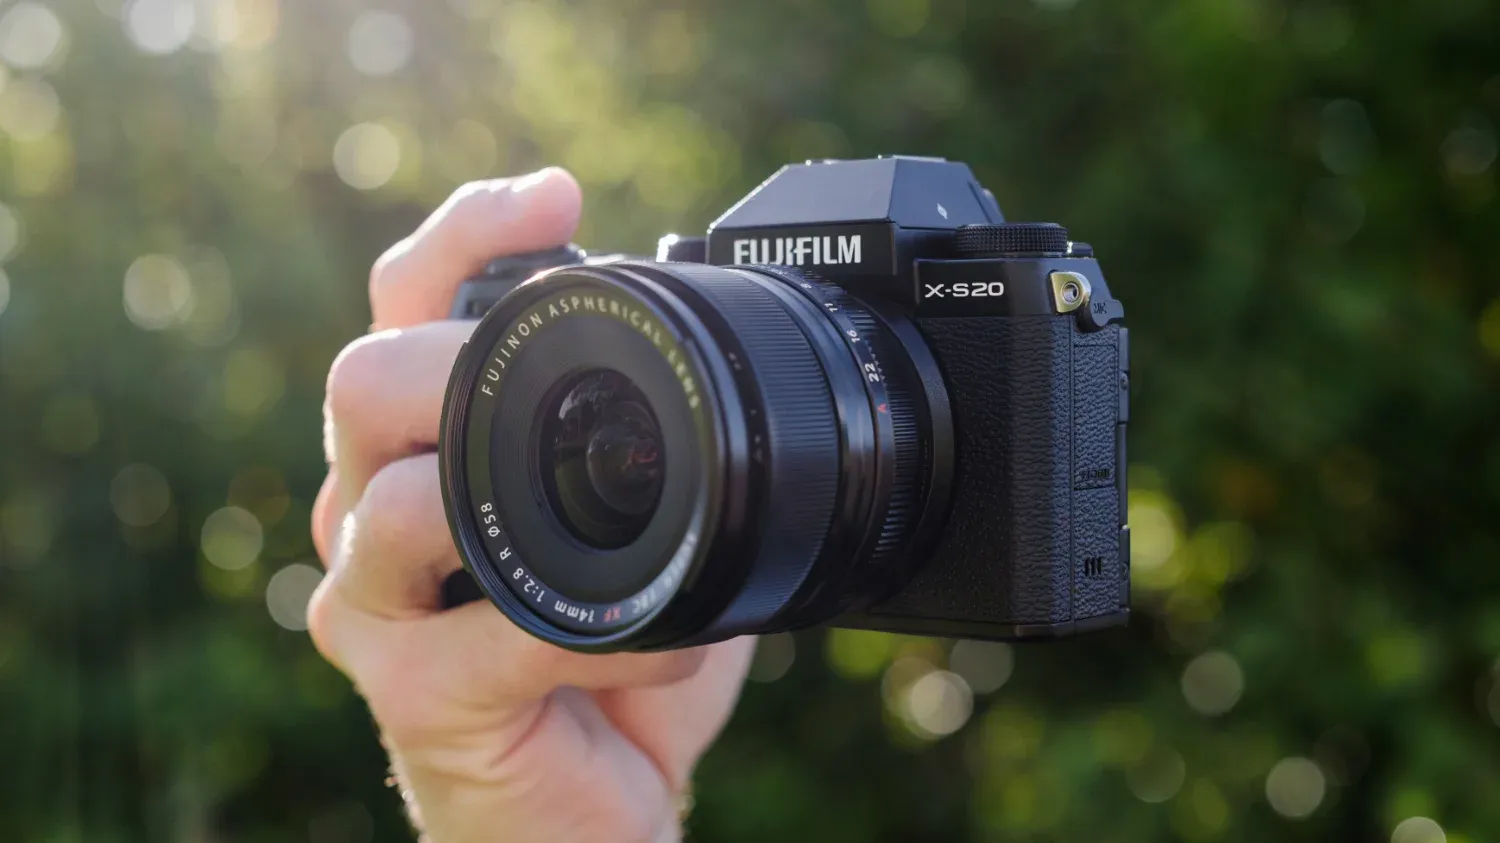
(882, 408)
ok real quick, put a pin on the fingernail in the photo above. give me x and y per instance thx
(527, 182)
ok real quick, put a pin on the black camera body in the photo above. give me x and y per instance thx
(993, 350)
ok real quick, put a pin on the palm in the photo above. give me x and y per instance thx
(575, 764)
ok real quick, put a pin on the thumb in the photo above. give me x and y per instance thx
(415, 280)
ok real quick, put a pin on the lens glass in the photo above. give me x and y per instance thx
(601, 458)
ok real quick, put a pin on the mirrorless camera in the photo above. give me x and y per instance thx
(864, 399)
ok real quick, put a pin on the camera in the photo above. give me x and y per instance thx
(863, 399)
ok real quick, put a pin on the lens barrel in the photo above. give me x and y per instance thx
(743, 449)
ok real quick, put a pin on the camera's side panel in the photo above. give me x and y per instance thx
(1100, 560)
(1033, 544)
(1002, 557)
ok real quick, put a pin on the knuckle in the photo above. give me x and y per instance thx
(473, 210)
(386, 515)
(356, 376)
(323, 620)
(472, 197)
(388, 265)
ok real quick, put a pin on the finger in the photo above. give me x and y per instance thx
(510, 663)
(385, 399)
(416, 279)
(675, 723)
(325, 518)
(396, 548)
(469, 663)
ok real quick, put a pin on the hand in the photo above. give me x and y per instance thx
(493, 735)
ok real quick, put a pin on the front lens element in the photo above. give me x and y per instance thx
(602, 461)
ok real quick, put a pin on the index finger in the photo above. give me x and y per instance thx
(415, 280)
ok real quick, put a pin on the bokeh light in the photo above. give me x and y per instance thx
(246, 133)
(1489, 328)
(4, 291)
(1418, 830)
(1212, 683)
(288, 592)
(858, 653)
(1295, 787)
(217, 24)
(774, 655)
(366, 155)
(214, 318)
(1470, 150)
(140, 495)
(1154, 529)
(1347, 141)
(380, 43)
(897, 680)
(159, 26)
(232, 538)
(1334, 210)
(466, 152)
(899, 18)
(29, 109)
(261, 490)
(984, 665)
(11, 232)
(158, 292)
(31, 36)
(1158, 776)
(253, 382)
(938, 703)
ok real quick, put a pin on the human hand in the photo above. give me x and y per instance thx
(492, 734)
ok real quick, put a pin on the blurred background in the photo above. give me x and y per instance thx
(1296, 201)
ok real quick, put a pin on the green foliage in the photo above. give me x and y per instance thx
(1296, 201)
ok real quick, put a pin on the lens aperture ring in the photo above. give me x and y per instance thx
(906, 441)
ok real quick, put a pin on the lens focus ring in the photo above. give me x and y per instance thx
(801, 451)
(897, 412)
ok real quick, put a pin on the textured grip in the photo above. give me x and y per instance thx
(1004, 557)
(803, 446)
(1033, 543)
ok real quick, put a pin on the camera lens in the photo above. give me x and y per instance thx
(602, 461)
(645, 455)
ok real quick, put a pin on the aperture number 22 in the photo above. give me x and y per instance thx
(870, 368)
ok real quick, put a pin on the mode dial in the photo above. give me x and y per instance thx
(1011, 238)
